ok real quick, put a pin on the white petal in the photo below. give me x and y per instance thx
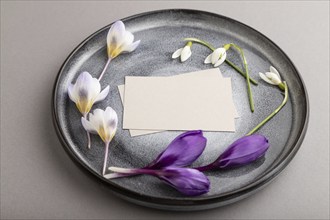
(71, 92)
(87, 87)
(216, 54)
(132, 46)
(208, 59)
(87, 125)
(273, 70)
(222, 59)
(273, 77)
(116, 33)
(111, 118)
(177, 53)
(185, 53)
(97, 118)
(128, 38)
(264, 77)
(103, 94)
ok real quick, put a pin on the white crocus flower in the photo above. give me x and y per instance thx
(217, 57)
(184, 53)
(103, 123)
(272, 77)
(119, 40)
(86, 91)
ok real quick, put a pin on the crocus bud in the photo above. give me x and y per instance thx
(243, 151)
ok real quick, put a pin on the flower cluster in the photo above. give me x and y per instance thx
(173, 165)
(216, 58)
(170, 165)
(87, 90)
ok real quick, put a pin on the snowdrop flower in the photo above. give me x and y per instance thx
(272, 77)
(103, 123)
(217, 57)
(184, 53)
(119, 40)
(86, 91)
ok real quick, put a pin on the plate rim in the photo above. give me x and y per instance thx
(193, 203)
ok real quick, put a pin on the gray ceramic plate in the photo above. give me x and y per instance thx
(161, 33)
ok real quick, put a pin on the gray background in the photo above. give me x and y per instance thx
(39, 180)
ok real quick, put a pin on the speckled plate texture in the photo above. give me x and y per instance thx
(161, 33)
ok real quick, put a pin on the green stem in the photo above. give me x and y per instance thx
(286, 94)
(227, 61)
(240, 71)
(247, 76)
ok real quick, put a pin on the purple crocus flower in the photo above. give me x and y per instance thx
(181, 152)
(188, 181)
(243, 151)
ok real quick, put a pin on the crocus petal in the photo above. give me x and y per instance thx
(103, 94)
(187, 181)
(111, 121)
(243, 151)
(88, 126)
(97, 118)
(177, 53)
(273, 70)
(208, 59)
(72, 95)
(116, 33)
(216, 54)
(182, 151)
(222, 59)
(185, 53)
(265, 78)
(273, 77)
(132, 47)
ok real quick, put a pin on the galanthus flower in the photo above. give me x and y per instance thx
(184, 53)
(189, 182)
(86, 91)
(181, 152)
(272, 77)
(103, 123)
(217, 57)
(243, 151)
(119, 41)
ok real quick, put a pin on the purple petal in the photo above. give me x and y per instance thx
(187, 181)
(182, 151)
(243, 151)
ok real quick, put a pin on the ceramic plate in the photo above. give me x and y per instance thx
(161, 33)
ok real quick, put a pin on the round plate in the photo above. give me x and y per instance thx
(161, 33)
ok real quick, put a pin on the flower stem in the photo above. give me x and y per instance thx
(104, 69)
(285, 99)
(118, 175)
(132, 171)
(227, 61)
(247, 76)
(240, 71)
(105, 157)
(88, 135)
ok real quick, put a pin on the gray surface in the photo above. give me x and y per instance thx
(39, 180)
